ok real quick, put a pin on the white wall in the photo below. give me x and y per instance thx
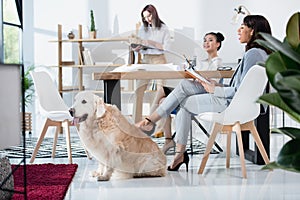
(119, 16)
(193, 18)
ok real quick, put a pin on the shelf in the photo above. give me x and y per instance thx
(116, 39)
(69, 88)
(94, 66)
(80, 64)
(66, 63)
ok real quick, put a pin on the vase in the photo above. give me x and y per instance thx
(71, 35)
(93, 34)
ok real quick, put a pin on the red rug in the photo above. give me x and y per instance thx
(44, 181)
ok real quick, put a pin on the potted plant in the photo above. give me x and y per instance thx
(28, 97)
(93, 31)
(283, 71)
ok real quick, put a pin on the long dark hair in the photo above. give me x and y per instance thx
(259, 24)
(156, 20)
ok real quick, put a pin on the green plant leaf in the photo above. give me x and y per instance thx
(289, 156)
(28, 86)
(274, 99)
(271, 165)
(274, 165)
(274, 64)
(293, 30)
(277, 45)
(292, 132)
(288, 86)
(92, 28)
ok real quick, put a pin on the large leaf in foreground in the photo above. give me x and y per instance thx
(277, 45)
(288, 87)
(274, 99)
(292, 132)
(293, 30)
(289, 155)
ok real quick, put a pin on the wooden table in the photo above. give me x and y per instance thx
(112, 92)
(112, 95)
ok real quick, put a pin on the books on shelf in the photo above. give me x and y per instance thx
(86, 57)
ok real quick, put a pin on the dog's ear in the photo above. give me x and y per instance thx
(100, 108)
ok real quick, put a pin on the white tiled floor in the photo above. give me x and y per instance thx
(217, 182)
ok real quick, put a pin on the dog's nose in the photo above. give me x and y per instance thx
(72, 111)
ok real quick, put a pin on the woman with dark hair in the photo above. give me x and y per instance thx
(212, 43)
(154, 34)
(195, 97)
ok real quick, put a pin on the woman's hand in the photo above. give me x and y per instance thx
(151, 43)
(137, 48)
(209, 87)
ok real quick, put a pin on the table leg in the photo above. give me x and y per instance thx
(112, 92)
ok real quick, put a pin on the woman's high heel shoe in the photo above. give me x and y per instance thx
(186, 160)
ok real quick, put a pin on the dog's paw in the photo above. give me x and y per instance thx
(103, 178)
(95, 174)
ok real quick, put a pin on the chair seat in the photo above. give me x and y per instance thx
(221, 118)
(59, 115)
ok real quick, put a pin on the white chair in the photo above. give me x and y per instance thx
(238, 116)
(54, 109)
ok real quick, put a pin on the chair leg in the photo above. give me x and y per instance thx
(216, 129)
(58, 128)
(258, 142)
(228, 149)
(191, 137)
(237, 129)
(40, 140)
(68, 140)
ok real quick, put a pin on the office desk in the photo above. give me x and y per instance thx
(112, 95)
(111, 80)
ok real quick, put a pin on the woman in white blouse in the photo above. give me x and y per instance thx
(154, 34)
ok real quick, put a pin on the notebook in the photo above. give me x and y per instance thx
(196, 75)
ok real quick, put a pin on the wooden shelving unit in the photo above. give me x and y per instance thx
(80, 66)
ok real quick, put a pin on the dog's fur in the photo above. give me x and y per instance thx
(120, 147)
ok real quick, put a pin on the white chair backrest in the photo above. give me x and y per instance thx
(47, 92)
(243, 107)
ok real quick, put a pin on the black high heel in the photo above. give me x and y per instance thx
(186, 160)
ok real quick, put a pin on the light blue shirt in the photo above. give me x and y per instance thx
(250, 58)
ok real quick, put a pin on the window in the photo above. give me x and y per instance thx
(11, 32)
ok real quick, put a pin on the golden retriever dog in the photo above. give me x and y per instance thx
(122, 149)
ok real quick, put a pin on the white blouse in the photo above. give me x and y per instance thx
(161, 36)
(213, 64)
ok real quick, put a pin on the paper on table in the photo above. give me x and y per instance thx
(195, 75)
(147, 67)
